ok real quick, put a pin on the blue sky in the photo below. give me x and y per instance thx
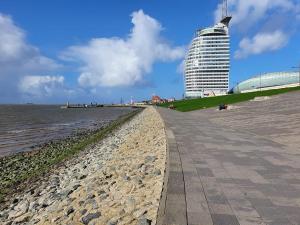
(83, 51)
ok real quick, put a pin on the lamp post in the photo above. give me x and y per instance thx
(260, 82)
(237, 87)
(298, 67)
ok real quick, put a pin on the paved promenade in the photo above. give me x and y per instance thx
(235, 167)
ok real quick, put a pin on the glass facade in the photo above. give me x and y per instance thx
(207, 62)
(268, 81)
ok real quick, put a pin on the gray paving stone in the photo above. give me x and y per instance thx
(176, 185)
(224, 219)
(260, 202)
(206, 172)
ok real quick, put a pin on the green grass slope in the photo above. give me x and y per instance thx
(202, 103)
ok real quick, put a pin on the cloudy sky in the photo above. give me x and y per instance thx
(82, 51)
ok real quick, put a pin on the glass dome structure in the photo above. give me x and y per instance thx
(268, 81)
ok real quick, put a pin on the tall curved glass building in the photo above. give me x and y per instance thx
(268, 81)
(208, 61)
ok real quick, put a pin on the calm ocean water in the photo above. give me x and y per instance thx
(24, 126)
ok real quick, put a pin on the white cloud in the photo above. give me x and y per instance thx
(262, 42)
(247, 13)
(270, 19)
(11, 39)
(38, 86)
(14, 50)
(113, 62)
(18, 58)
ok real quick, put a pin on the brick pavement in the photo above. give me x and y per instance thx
(235, 167)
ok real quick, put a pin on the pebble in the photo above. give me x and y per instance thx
(82, 176)
(22, 219)
(90, 196)
(19, 209)
(126, 178)
(69, 211)
(84, 211)
(112, 222)
(157, 172)
(144, 221)
(150, 159)
(130, 204)
(76, 186)
(89, 217)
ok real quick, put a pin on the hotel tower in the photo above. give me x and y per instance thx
(208, 61)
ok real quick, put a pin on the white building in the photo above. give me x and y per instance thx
(208, 61)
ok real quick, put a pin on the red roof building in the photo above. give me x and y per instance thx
(156, 99)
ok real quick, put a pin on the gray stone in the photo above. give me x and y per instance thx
(150, 159)
(143, 169)
(89, 217)
(19, 209)
(83, 176)
(130, 204)
(93, 203)
(8, 223)
(112, 222)
(138, 180)
(84, 211)
(69, 211)
(101, 192)
(76, 186)
(103, 196)
(22, 219)
(140, 212)
(126, 178)
(122, 212)
(81, 203)
(144, 221)
(55, 219)
(33, 206)
(90, 196)
(157, 172)
(139, 165)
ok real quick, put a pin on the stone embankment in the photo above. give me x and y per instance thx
(116, 181)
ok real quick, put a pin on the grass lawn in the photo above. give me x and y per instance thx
(202, 103)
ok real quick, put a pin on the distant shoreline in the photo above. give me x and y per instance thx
(26, 127)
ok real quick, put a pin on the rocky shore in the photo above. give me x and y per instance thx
(117, 181)
(22, 169)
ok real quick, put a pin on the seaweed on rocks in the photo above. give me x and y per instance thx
(26, 168)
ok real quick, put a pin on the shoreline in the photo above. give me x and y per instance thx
(118, 180)
(22, 168)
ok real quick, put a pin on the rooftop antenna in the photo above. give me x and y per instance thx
(224, 9)
(225, 18)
